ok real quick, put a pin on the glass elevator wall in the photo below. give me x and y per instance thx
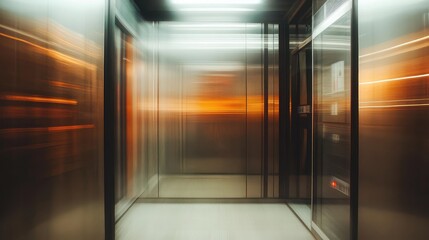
(300, 166)
(332, 120)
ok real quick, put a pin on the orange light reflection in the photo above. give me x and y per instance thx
(39, 99)
(65, 85)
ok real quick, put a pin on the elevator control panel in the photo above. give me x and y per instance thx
(304, 109)
(340, 185)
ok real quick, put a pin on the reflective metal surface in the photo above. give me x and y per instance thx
(255, 111)
(148, 105)
(202, 108)
(393, 119)
(273, 111)
(210, 108)
(135, 107)
(332, 121)
(51, 119)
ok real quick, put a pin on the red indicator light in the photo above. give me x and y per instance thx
(333, 184)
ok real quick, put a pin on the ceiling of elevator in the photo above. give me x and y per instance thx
(217, 10)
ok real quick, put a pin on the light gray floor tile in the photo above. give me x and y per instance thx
(197, 221)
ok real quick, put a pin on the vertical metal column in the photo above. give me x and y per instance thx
(354, 163)
(284, 120)
(265, 79)
(109, 124)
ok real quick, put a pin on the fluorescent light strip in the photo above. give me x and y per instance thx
(214, 25)
(216, 10)
(215, 2)
(204, 47)
(332, 18)
(214, 42)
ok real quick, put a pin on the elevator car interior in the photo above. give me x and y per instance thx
(214, 119)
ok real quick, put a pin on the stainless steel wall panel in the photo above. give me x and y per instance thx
(149, 105)
(255, 109)
(273, 110)
(137, 123)
(51, 128)
(393, 116)
(209, 110)
(275, 107)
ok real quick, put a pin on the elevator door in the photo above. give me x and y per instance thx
(218, 110)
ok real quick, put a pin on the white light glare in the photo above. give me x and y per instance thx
(209, 25)
(216, 9)
(215, 2)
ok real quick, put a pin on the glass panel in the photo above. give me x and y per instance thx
(300, 167)
(332, 125)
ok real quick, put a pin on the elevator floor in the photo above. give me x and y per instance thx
(210, 221)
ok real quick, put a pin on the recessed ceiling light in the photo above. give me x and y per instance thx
(216, 9)
(208, 25)
(215, 2)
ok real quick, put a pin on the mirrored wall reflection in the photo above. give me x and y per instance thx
(332, 122)
(211, 111)
(148, 106)
(393, 119)
(135, 108)
(128, 159)
(51, 119)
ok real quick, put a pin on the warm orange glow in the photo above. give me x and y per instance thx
(393, 72)
(216, 105)
(333, 184)
(395, 79)
(65, 85)
(404, 44)
(70, 128)
(52, 53)
(49, 129)
(39, 99)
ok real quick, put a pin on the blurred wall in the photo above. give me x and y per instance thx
(393, 119)
(136, 105)
(51, 119)
(211, 108)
